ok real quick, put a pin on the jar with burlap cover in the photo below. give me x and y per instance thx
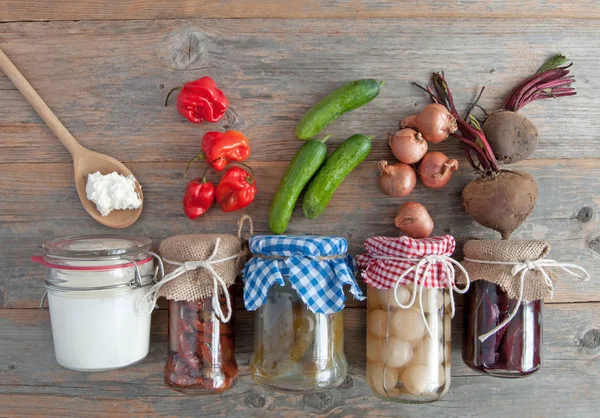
(510, 279)
(221, 252)
(200, 270)
(494, 261)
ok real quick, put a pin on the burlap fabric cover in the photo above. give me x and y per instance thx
(535, 286)
(198, 284)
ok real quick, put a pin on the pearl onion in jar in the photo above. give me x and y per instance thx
(395, 352)
(433, 300)
(419, 379)
(407, 324)
(382, 379)
(428, 352)
(402, 293)
(377, 323)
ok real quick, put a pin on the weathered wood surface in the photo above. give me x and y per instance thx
(570, 354)
(107, 81)
(27, 10)
(37, 206)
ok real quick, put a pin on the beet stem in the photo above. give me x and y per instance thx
(476, 139)
(470, 159)
(475, 103)
(472, 145)
(549, 77)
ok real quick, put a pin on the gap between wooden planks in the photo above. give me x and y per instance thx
(28, 10)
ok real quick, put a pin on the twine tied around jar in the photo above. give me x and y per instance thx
(521, 269)
(152, 296)
(421, 269)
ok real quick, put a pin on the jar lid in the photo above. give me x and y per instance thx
(317, 267)
(388, 260)
(121, 257)
(96, 246)
(300, 245)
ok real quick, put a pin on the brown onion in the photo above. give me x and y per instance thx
(408, 146)
(436, 169)
(396, 180)
(434, 122)
(413, 219)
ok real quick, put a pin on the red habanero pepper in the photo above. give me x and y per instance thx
(199, 197)
(222, 147)
(201, 100)
(236, 190)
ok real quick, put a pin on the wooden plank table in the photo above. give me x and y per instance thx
(105, 69)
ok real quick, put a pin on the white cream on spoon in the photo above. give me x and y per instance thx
(112, 191)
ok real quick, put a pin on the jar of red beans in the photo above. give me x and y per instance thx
(409, 311)
(503, 309)
(200, 271)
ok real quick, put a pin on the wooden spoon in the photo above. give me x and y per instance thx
(84, 160)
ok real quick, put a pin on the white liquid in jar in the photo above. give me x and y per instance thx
(100, 330)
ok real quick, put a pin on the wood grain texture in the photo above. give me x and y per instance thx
(107, 81)
(14, 10)
(37, 206)
(106, 77)
(42, 387)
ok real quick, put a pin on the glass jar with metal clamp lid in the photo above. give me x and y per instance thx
(93, 285)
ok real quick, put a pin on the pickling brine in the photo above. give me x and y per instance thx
(405, 361)
(296, 349)
(201, 348)
(514, 350)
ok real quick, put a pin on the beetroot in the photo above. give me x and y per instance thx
(498, 199)
(501, 201)
(512, 136)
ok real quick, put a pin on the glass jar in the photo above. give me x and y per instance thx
(201, 355)
(404, 362)
(515, 349)
(296, 349)
(93, 285)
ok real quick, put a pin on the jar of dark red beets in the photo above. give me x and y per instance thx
(503, 309)
(200, 272)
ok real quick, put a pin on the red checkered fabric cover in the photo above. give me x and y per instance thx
(383, 273)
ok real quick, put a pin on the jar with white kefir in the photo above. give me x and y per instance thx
(94, 285)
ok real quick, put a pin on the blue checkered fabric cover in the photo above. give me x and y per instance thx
(319, 283)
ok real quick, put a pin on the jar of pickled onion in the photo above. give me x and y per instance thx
(409, 311)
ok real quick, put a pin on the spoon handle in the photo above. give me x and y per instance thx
(39, 105)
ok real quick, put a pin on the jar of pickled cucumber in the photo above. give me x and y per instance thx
(295, 285)
(409, 311)
(503, 309)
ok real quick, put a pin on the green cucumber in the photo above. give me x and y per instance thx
(346, 98)
(344, 159)
(305, 164)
